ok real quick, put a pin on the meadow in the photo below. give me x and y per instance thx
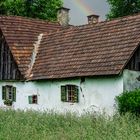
(30, 125)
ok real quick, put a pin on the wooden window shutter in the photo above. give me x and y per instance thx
(4, 92)
(63, 93)
(30, 99)
(14, 93)
(76, 94)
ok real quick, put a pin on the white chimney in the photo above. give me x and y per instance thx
(63, 16)
(92, 19)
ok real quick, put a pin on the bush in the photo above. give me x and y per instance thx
(129, 102)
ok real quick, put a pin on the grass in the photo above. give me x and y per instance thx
(19, 125)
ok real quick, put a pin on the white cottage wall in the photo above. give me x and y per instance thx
(131, 80)
(95, 94)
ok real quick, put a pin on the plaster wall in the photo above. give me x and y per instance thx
(95, 94)
(131, 80)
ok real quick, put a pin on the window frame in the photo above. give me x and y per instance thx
(6, 91)
(70, 93)
(33, 99)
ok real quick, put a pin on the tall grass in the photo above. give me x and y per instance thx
(19, 125)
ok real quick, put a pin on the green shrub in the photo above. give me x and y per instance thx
(129, 102)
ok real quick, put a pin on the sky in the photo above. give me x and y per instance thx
(80, 9)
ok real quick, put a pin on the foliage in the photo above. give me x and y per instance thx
(129, 102)
(119, 8)
(31, 125)
(8, 102)
(43, 9)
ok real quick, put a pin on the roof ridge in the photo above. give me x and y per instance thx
(30, 18)
(88, 25)
(112, 20)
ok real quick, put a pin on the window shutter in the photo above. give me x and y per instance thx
(4, 92)
(76, 94)
(30, 98)
(14, 93)
(63, 93)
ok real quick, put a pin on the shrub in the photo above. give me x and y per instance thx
(129, 102)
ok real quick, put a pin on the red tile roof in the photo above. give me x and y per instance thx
(90, 50)
(21, 33)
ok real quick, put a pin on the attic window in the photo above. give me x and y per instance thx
(33, 99)
(9, 93)
(70, 93)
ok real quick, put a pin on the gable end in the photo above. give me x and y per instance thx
(134, 62)
(8, 67)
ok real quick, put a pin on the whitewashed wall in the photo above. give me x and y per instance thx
(95, 94)
(131, 80)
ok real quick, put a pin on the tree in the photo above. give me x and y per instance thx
(119, 8)
(43, 9)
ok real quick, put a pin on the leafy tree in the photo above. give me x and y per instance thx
(43, 9)
(119, 8)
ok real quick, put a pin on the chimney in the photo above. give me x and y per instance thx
(93, 19)
(63, 16)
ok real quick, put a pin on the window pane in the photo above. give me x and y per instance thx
(64, 93)
(10, 95)
(71, 93)
(34, 99)
(30, 99)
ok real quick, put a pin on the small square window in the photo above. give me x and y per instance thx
(33, 99)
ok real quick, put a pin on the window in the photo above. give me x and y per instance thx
(32, 99)
(69, 93)
(9, 93)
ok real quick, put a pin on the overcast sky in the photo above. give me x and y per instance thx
(80, 9)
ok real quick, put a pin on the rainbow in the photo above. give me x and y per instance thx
(84, 7)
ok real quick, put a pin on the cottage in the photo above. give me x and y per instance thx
(50, 65)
